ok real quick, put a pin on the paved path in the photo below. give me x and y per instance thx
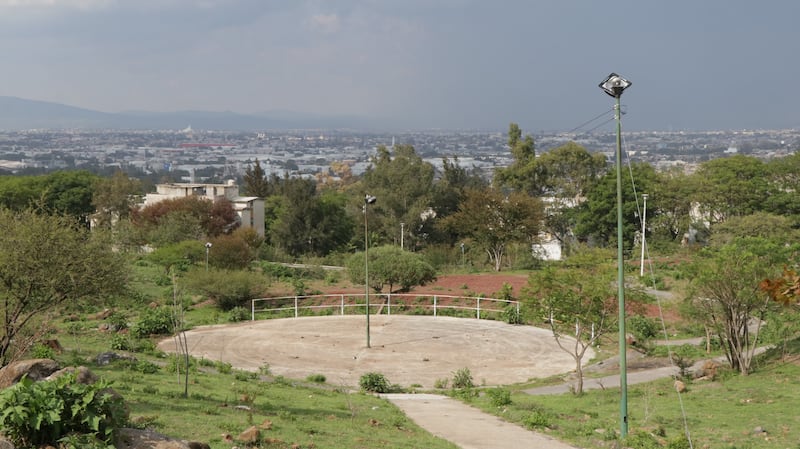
(466, 426)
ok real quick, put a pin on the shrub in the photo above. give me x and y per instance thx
(228, 289)
(499, 397)
(238, 313)
(40, 351)
(536, 419)
(374, 383)
(511, 314)
(157, 321)
(40, 413)
(462, 379)
(641, 440)
(318, 378)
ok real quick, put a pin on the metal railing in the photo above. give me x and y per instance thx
(380, 303)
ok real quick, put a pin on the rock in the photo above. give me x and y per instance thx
(82, 374)
(249, 436)
(147, 439)
(708, 370)
(759, 431)
(680, 387)
(53, 344)
(35, 369)
(104, 358)
(5, 444)
(105, 313)
(266, 425)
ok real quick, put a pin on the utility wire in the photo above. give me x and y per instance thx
(651, 272)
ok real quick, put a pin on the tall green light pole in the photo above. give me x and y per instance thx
(614, 85)
(368, 199)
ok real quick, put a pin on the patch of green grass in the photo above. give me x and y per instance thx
(719, 414)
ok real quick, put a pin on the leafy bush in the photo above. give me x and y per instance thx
(237, 314)
(499, 397)
(318, 378)
(641, 440)
(157, 321)
(374, 383)
(40, 351)
(462, 379)
(39, 413)
(536, 419)
(643, 328)
(228, 289)
(511, 314)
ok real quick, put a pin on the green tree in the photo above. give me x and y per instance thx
(776, 228)
(577, 302)
(567, 173)
(390, 266)
(188, 218)
(493, 221)
(304, 222)
(181, 255)
(256, 182)
(403, 183)
(46, 260)
(726, 293)
(524, 174)
(784, 177)
(731, 186)
(597, 217)
(448, 193)
(228, 289)
(114, 197)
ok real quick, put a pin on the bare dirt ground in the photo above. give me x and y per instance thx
(408, 350)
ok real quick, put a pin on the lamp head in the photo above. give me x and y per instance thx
(208, 244)
(369, 199)
(614, 85)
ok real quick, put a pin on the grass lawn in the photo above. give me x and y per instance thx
(224, 401)
(719, 414)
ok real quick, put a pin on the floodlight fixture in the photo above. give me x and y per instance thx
(369, 199)
(614, 85)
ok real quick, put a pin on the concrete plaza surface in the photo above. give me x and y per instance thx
(408, 350)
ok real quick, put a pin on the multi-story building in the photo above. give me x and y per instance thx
(250, 209)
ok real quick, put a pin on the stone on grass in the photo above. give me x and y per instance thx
(35, 369)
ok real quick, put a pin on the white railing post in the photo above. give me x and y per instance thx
(253, 310)
(389, 304)
(434, 305)
(342, 298)
(296, 314)
(478, 308)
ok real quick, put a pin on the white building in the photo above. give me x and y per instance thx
(250, 209)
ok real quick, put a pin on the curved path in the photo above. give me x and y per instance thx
(408, 350)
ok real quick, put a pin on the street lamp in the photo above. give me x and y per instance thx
(644, 220)
(208, 247)
(368, 199)
(402, 234)
(614, 85)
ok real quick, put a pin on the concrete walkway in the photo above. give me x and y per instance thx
(466, 426)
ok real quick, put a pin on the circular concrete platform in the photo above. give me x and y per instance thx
(408, 350)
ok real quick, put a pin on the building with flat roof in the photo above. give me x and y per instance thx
(250, 209)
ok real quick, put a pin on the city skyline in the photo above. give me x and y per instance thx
(413, 64)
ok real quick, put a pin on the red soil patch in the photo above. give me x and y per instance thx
(486, 284)
(479, 284)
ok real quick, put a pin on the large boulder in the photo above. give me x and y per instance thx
(35, 369)
(83, 375)
(147, 439)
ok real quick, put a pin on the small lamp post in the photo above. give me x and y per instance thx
(208, 248)
(614, 85)
(368, 199)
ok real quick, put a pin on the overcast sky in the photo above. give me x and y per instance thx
(694, 64)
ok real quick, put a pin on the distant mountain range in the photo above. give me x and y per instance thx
(19, 113)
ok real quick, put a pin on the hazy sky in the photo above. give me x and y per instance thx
(694, 64)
